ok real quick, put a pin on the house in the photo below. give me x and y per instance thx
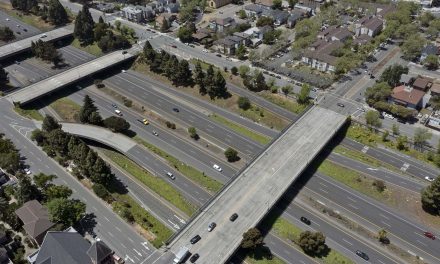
(435, 89)
(218, 3)
(407, 79)
(334, 33)
(199, 36)
(221, 24)
(319, 56)
(294, 17)
(160, 19)
(307, 10)
(369, 25)
(132, 13)
(253, 10)
(105, 7)
(408, 97)
(422, 84)
(225, 46)
(361, 40)
(57, 248)
(382, 11)
(35, 218)
(279, 17)
(428, 50)
(265, 4)
(245, 38)
(172, 8)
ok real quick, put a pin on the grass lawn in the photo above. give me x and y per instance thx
(160, 233)
(291, 232)
(257, 259)
(283, 102)
(240, 129)
(190, 172)
(67, 109)
(29, 113)
(92, 49)
(354, 180)
(29, 19)
(368, 137)
(156, 184)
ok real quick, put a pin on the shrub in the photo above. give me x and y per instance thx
(244, 103)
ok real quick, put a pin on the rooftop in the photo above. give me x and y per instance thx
(407, 95)
(34, 217)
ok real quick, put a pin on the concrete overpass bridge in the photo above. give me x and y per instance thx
(51, 84)
(23, 45)
(256, 189)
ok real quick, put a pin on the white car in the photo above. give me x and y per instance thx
(205, 50)
(7, 19)
(217, 167)
(169, 174)
(27, 171)
(430, 179)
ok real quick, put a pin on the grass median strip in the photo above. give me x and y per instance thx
(285, 103)
(156, 184)
(29, 113)
(199, 177)
(67, 109)
(256, 258)
(291, 232)
(241, 130)
(355, 180)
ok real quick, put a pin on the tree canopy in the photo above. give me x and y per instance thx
(231, 155)
(392, 74)
(252, 239)
(116, 124)
(56, 13)
(378, 92)
(6, 34)
(66, 211)
(313, 243)
(84, 26)
(88, 113)
(431, 197)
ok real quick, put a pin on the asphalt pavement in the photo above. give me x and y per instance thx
(17, 26)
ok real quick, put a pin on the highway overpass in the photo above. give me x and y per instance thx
(51, 84)
(253, 193)
(17, 47)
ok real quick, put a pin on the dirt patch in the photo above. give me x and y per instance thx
(148, 235)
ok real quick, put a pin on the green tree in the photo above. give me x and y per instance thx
(277, 4)
(264, 21)
(244, 103)
(57, 191)
(252, 239)
(86, 113)
(378, 92)
(118, 25)
(220, 89)
(4, 204)
(392, 74)
(116, 124)
(56, 13)
(382, 236)
(241, 52)
(243, 70)
(421, 136)
(149, 53)
(431, 62)
(9, 155)
(286, 89)
(6, 34)
(242, 14)
(49, 124)
(183, 75)
(43, 181)
(312, 243)
(3, 77)
(231, 155)
(303, 96)
(234, 70)
(185, 34)
(199, 78)
(412, 47)
(259, 83)
(193, 133)
(395, 129)
(431, 197)
(402, 142)
(101, 191)
(292, 3)
(84, 26)
(101, 172)
(66, 211)
(164, 27)
(26, 191)
(372, 118)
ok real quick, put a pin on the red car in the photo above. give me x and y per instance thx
(430, 235)
(174, 46)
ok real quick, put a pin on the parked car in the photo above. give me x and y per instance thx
(211, 226)
(340, 104)
(305, 220)
(430, 179)
(175, 109)
(195, 239)
(194, 258)
(118, 112)
(233, 217)
(362, 255)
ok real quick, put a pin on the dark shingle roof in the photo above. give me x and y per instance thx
(3, 255)
(99, 251)
(34, 217)
(63, 247)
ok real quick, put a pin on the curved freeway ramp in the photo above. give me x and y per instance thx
(101, 135)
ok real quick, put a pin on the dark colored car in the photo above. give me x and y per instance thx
(124, 52)
(176, 110)
(211, 226)
(362, 255)
(195, 239)
(25, 30)
(429, 235)
(305, 220)
(233, 217)
(194, 258)
(218, 55)
(174, 46)
(340, 104)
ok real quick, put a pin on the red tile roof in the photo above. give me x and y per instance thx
(403, 94)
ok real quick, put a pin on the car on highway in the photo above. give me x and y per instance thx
(118, 112)
(218, 55)
(171, 176)
(211, 226)
(430, 179)
(340, 104)
(145, 121)
(305, 220)
(195, 239)
(233, 217)
(174, 46)
(7, 19)
(429, 235)
(217, 168)
(18, 26)
(25, 30)
(194, 258)
(43, 36)
(155, 133)
(115, 105)
(175, 109)
(362, 255)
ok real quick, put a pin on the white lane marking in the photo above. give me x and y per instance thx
(353, 206)
(139, 253)
(365, 149)
(385, 223)
(348, 242)
(322, 190)
(123, 246)
(320, 183)
(117, 228)
(145, 245)
(128, 258)
(351, 199)
(384, 216)
(106, 218)
(111, 234)
(421, 242)
(131, 240)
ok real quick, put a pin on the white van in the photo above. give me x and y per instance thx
(118, 112)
